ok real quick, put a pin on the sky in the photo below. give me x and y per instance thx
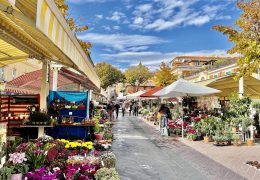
(126, 32)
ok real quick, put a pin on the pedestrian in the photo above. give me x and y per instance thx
(165, 115)
(110, 110)
(117, 107)
(134, 108)
(123, 108)
(130, 109)
(91, 109)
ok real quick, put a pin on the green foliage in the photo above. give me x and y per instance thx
(19, 168)
(164, 76)
(208, 125)
(5, 173)
(246, 36)
(191, 136)
(239, 106)
(108, 74)
(38, 117)
(137, 74)
(108, 159)
(107, 174)
(35, 157)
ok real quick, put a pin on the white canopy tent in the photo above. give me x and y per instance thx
(135, 95)
(182, 88)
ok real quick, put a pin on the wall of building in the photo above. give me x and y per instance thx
(12, 71)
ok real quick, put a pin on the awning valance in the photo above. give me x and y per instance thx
(37, 28)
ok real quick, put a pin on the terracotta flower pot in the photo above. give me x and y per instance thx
(98, 136)
(16, 176)
(234, 129)
(206, 139)
(250, 142)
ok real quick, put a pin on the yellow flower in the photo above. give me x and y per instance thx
(89, 147)
(67, 146)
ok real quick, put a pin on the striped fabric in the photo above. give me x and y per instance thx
(19, 112)
(58, 33)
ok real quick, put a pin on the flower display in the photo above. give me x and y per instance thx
(17, 158)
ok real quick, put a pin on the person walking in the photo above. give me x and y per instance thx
(117, 107)
(110, 109)
(130, 109)
(134, 108)
(123, 108)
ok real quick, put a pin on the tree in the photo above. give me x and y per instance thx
(164, 76)
(246, 37)
(64, 8)
(108, 74)
(137, 75)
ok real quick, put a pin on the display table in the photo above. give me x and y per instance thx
(74, 131)
(40, 128)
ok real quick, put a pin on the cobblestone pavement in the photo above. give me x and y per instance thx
(144, 155)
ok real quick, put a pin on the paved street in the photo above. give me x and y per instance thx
(143, 155)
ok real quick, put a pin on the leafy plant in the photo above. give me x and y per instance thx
(107, 174)
(5, 173)
(38, 117)
(108, 159)
(35, 157)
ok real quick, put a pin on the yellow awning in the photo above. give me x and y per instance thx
(228, 85)
(38, 29)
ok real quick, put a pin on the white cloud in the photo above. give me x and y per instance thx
(200, 20)
(87, 1)
(144, 7)
(108, 28)
(121, 42)
(116, 16)
(99, 16)
(138, 20)
(116, 27)
(168, 14)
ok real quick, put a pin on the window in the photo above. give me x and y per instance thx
(2, 74)
(14, 73)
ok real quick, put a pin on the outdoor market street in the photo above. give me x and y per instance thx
(143, 154)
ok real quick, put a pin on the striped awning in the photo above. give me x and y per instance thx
(37, 28)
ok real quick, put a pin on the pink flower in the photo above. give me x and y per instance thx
(17, 158)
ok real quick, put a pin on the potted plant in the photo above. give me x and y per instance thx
(107, 173)
(5, 173)
(108, 160)
(207, 126)
(98, 134)
(17, 165)
(235, 122)
(246, 122)
(236, 139)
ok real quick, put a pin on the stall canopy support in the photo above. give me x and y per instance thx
(44, 86)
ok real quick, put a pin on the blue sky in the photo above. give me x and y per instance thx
(125, 32)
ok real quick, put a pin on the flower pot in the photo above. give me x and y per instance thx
(98, 136)
(16, 176)
(234, 129)
(206, 139)
(250, 142)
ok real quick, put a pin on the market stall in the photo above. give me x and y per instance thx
(70, 110)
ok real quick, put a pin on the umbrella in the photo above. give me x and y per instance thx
(134, 95)
(182, 88)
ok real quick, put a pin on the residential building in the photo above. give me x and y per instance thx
(12, 71)
(187, 65)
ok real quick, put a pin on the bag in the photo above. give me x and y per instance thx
(159, 115)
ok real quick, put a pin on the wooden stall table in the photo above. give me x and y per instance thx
(41, 128)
